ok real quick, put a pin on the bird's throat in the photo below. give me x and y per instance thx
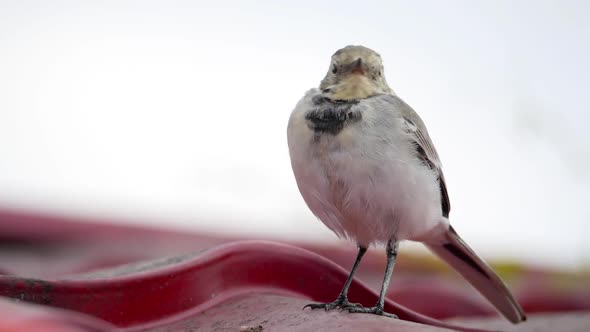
(354, 87)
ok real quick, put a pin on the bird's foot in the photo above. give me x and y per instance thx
(377, 310)
(340, 303)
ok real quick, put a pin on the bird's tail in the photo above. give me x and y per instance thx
(457, 253)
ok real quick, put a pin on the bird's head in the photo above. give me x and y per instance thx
(356, 72)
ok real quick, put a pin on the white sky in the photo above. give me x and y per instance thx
(176, 111)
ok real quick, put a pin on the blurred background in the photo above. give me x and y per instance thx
(173, 113)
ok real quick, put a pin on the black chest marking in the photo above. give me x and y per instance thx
(330, 116)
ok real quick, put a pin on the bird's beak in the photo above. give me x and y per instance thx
(358, 67)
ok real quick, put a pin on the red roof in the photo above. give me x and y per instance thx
(97, 276)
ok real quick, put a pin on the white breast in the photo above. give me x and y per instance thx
(365, 182)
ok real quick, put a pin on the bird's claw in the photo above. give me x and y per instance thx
(376, 310)
(340, 303)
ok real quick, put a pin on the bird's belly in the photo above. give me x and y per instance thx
(369, 200)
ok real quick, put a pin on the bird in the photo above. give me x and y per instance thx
(366, 167)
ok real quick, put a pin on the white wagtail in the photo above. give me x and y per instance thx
(366, 167)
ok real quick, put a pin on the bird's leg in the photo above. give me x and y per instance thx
(342, 299)
(392, 246)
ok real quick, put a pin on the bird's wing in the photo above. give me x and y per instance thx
(454, 250)
(416, 129)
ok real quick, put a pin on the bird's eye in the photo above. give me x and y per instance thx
(379, 73)
(334, 69)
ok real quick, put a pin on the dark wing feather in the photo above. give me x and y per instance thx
(426, 152)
